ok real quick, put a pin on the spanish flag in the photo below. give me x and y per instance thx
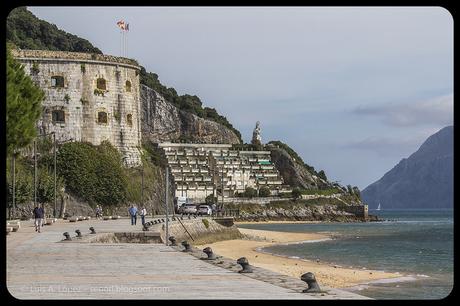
(121, 24)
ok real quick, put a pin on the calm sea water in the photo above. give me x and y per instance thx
(416, 243)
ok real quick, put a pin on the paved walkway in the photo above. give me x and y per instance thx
(40, 266)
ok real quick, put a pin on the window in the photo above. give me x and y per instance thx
(129, 119)
(128, 86)
(58, 116)
(57, 81)
(101, 84)
(102, 117)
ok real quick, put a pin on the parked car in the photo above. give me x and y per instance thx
(204, 210)
(189, 209)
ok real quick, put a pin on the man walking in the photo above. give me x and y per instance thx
(39, 214)
(133, 213)
(143, 214)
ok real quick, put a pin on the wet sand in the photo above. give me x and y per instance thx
(327, 274)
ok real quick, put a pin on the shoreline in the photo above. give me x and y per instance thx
(332, 275)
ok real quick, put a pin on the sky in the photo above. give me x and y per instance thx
(352, 89)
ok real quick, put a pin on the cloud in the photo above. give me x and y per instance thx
(401, 146)
(436, 111)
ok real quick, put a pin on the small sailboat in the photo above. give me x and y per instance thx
(378, 207)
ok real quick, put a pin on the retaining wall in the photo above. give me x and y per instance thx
(200, 233)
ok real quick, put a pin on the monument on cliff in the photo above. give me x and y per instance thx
(256, 138)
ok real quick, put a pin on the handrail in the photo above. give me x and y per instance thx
(178, 219)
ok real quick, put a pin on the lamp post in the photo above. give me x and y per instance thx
(166, 202)
(35, 173)
(35, 170)
(55, 177)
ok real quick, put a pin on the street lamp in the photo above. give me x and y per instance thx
(35, 170)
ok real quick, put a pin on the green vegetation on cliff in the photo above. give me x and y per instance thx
(295, 156)
(28, 32)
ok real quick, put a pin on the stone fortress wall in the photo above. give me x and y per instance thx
(88, 98)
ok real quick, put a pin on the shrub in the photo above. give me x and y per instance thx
(250, 192)
(264, 192)
(205, 222)
(67, 98)
(94, 173)
(296, 193)
(211, 199)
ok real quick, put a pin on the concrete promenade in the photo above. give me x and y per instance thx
(40, 266)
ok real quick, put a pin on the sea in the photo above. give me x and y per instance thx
(416, 243)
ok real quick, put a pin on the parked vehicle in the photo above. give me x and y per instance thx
(179, 203)
(204, 210)
(189, 209)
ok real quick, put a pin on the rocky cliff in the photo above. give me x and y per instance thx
(326, 212)
(162, 121)
(424, 180)
(293, 172)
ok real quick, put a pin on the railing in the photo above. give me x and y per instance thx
(226, 213)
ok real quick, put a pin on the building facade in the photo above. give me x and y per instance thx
(200, 170)
(88, 98)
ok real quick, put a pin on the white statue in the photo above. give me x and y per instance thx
(256, 138)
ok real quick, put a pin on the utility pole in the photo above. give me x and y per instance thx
(142, 183)
(222, 182)
(35, 173)
(55, 177)
(14, 181)
(166, 201)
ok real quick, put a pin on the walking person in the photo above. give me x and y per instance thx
(39, 214)
(143, 214)
(133, 213)
(98, 212)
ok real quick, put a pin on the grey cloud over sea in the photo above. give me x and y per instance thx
(438, 111)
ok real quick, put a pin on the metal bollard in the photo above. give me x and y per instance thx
(173, 240)
(162, 220)
(189, 217)
(93, 231)
(67, 236)
(186, 245)
(208, 251)
(243, 261)
(154, 221)
(78, 233)
(312, 284)
(174, 218)
(145, 228)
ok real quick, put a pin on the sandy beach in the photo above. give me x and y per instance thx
(275, 222)
(329, 275)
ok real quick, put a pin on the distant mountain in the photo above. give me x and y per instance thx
(424, 180)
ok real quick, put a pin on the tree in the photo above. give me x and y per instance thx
(23, 105)
(27, 31)
(93, 173)
(357, 192)
(264, 192)
(211, 199)
(296, 193)
(250, 192)
(322, 175)
(350, 190)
